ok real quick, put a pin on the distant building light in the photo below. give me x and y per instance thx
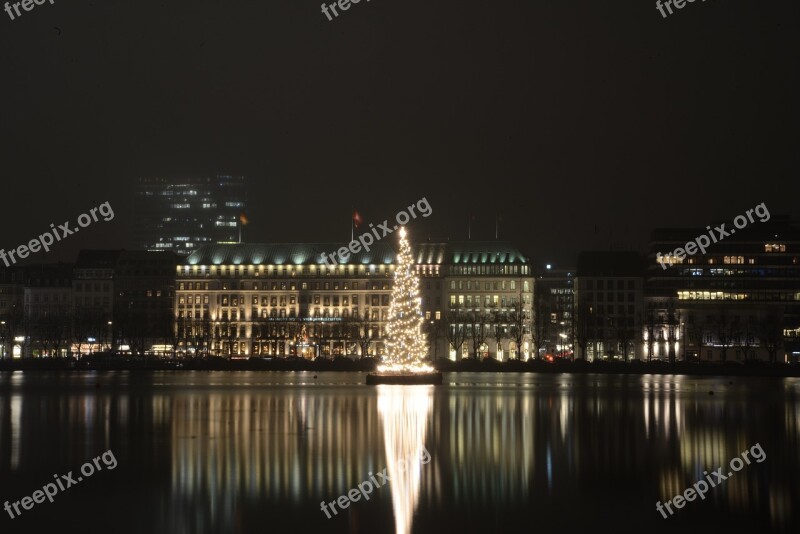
(549, 266)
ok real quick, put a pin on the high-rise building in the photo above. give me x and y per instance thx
(181, 215)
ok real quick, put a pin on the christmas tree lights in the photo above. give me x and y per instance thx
(406, 343)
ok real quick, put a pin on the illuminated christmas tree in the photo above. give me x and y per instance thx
(406, 343)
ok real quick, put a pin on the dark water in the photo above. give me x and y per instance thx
(220, 452)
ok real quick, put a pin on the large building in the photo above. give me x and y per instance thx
(144, 293)
(553, 311)
(739, 300)
(608, 305)
(181, 215)
(282, 299)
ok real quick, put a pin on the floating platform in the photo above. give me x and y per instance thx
(405, 379)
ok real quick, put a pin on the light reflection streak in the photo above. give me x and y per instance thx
(404, 414)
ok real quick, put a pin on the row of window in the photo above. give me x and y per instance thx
(326, 300)
(468, 301)
(609, 297)
(291, 313)
(95, 286)
(290, 286)
(488, 269)
(488, 286)
(609, 284)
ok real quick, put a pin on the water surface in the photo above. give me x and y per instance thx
(246, 452)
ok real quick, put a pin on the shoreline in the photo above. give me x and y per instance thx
(368, 365)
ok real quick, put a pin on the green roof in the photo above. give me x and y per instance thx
(453, 253)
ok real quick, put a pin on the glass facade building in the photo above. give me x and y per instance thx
(181, 215)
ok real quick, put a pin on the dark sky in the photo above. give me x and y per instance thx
(585, 123)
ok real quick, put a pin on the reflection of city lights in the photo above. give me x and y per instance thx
(404, 414)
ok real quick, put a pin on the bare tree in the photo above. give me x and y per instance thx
(696, 333)
(770, 334)
(434, 330)
(518, 325)
(498, 329)
(649, 332)
(582, 324)
(625, 334)
(746, 336)
(539, 321)
(363, 332)
(456, 331)
(478, 331)
(724, 328)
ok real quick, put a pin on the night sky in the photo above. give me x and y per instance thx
(586, 124)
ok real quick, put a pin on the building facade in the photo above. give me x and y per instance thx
(553, 312)
(738, 301)
(47, 308)
(180, 215)
(281, 299)
(608, 305)
(93, 300)
(144, 295)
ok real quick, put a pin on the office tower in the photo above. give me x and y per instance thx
(180, 215)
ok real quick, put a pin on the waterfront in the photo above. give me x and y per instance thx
(206, 452)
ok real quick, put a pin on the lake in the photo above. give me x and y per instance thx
(244, 452)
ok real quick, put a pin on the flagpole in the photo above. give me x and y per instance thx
(352, 222)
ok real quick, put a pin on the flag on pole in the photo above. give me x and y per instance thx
(357, 220)
(243, 218)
